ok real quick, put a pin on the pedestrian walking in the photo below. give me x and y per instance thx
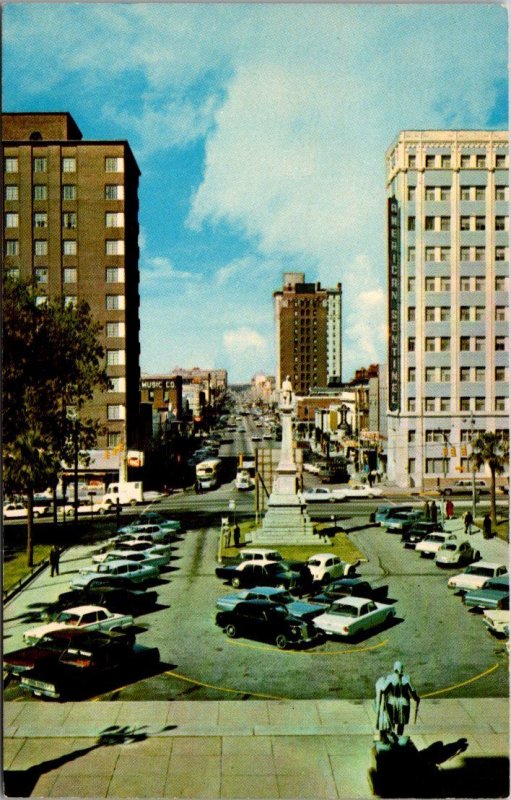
(236, 535)
(434, 513)
(427, 511)
(449, 509)
(487, 532)
(469, 519)
(370, 479)
(54, 560)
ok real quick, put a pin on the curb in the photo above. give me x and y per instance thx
(9, 594)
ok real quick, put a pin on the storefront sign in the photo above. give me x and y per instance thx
(394, 278)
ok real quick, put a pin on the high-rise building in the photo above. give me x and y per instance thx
(308, 320)
(71, 223)
(448, 299)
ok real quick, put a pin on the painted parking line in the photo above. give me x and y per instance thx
(463, 683)
(225, 688)
(309, 652)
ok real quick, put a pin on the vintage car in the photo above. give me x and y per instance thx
(494, 594)
(318, 494)
(453, 554)
(123, 600)
(353, 615)
(155, 518)
(324, 567)
(497, 622)
(262, 619)
(349, 587)
(157, 532)
(249, 573)
(401, 521)
(384, 511)
(432, 543)
(89, 618)
(48, 648)
(353, 490)
(465, 486)
(137, 573)
(298, 608)
(476, 575)
(418, 531)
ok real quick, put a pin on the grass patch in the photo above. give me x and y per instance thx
(15, 565)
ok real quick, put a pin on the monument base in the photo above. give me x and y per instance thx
(286, 522)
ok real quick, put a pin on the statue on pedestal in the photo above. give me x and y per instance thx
(392, 704)
(286, 393)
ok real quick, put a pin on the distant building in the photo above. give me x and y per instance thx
(308, 328)
(71, 224)
(448, 262)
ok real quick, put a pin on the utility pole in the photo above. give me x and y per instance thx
(473, 465)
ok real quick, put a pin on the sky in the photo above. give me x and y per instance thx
(260, 131)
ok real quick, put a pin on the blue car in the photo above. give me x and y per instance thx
(298, 608)
(383, 512)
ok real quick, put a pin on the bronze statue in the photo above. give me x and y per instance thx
(392, 703)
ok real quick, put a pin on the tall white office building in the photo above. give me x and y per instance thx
(448, 300)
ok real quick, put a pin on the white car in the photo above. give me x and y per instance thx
(158, 532)
(354, 490)
(453, 554)
(15, 511)
(318, 494)
(497, 621)
(89, 618)
(144, 557)
(476, 575)
(351, 615)
(260, 555)
(430, 546)
(123, 568)
(325, 567)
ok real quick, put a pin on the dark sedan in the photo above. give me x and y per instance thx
(251, 574)
(262, 619)
(49, 648)
(418, 532)
(353, 587)
(114, 598)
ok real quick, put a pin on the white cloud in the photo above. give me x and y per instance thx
(241, 340)
(158, 273)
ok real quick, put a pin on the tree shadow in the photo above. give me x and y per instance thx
(21, 783)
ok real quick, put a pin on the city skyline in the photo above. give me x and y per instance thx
(261, 134)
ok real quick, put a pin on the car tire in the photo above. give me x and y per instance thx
(36, 514)
(231, 630)
(133, 502)
(447, 492)
(281, 641)
(236, 582)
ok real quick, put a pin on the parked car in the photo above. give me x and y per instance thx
(401, 521)
(155, 518)
(432, 543)
(464, 486)
(158, 533)
(115, 598)
(354, 490)
(384, 511)
(125, 553)
(418, 531)
(318, 494)
(453, 554)
(299, 608)
(261, 555)
(86, 663)
(255, 574)
(497, 622)
(136, 573)
(494, 594)
(14, 511)
(352, 615)
(262, 619)
(90, 618)
(153, 497)
(48, 647)
(325, 567)
(349, 587)
(476, 575)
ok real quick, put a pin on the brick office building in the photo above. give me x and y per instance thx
(71, 223)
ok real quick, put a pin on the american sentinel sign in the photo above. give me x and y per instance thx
(394, 272)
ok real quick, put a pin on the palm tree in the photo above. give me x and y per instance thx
(492, 449)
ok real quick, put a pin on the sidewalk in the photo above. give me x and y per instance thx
(237, 749)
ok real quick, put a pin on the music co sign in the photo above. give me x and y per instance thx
(394, 275)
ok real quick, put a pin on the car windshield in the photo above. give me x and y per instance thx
(434, 538)
(344, 611)
(475, 570)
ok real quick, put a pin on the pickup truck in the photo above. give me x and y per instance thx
(494, 594)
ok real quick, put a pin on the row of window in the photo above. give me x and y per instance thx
(434, 404)
(113, 219)
(465, 253)
(113, 247)
(466, 374)
(467, 313)
(466, 161)
(468, 283)
(70, 274)
(113, 302)
(68, 191)
(439, 436)
(477, 223)
(68, 164)
(470, 193)
(435, 344)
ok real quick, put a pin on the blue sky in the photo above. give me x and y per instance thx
(260, 131)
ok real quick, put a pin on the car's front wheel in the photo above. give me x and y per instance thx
(281, 641)
(231, 631)
(236, 582)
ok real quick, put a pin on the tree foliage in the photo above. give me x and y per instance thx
(52, 362)
(493, 450)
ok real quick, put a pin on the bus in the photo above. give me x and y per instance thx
(208, 473)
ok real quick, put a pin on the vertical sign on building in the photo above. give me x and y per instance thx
(394, 274)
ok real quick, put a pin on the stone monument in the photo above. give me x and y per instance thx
(286, 520)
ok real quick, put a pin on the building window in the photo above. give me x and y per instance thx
(429, 223)
(500, 254)
(501, 223)
(465, 161)
(434, 465)
(500, 404)
(411, 374)
(411, 160)
(500, 283)
(114, 247)
(445, 253)
(479, 343)
(40, 247)
(115, 411)
(465, 343)
(500, 373)
(429, 284)
(411, 193)
(411, 223)
(464, 403)
(40, 191)
(430, 253)
(465, 313)
(500, 160)
(114, 275)
(11, 165)
(480, 374)
(70, 300)
(480, 283)
(429, 404)
(12, 247)
(480, 192)
(69, 219)
(445, 404)
(113, 439)
(464, 192)
(68, 191)
(445, 162)
(445, 284)
(464, 374)
(464, 283)
(479, 403)
(411, 436)
(479, 253)
(480, 161)
(40, 219)
(429, 161)
(464, 253)
(114, 302)
(69, 247)
(411, 254)
(115, 358)
(41, 299)
(69, 275)
(429, 374)
(411, 404)
(479, 313)
(411, 284)
(435, 436)
(11, 192)
(117, 384)
(114, 219)
(445, 374)
(445, 193)
(39, 165)
(114, 191)
(13, 273)
(445, 313)
(11, 220)
(411, 344)
(115, 329)
(429, 193)
(411, 314)
(445, 343)
(464, 225)
(41, 274)
(500, 193)
(429, 344)
(445, 223)
(429, 314)
(500, 313)
(114, 164)
(480, 223)
(501, 343)
(69, 165)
